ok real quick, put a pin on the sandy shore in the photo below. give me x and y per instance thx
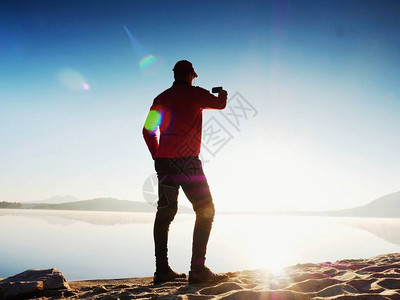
(374, 278)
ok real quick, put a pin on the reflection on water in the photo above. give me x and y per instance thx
(65, 217)
(387, 229)
(86, 245)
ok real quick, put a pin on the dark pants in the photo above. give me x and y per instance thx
(186, 172)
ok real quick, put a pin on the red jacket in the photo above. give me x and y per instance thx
(178, 113)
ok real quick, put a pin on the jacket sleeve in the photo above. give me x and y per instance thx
(209, 101)
(150, 137)
(150, 128)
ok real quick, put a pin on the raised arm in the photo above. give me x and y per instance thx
(209, 101)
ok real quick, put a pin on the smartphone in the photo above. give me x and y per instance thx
(216, 89)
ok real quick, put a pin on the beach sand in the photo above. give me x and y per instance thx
(374, 278)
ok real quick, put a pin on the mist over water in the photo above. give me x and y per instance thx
(88, 245)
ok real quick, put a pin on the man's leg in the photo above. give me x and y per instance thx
(198, 193)
(166, 210)
(167, 206)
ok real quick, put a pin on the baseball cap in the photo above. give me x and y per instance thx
(184, 66)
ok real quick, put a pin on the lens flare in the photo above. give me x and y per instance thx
(147, 61)
(153, 120)
(136, 45)
(72, 80)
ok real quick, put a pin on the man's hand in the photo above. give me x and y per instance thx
(223, 94)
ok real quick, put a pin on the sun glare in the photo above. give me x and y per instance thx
(266, 242)
(277, 177)
(270, 248)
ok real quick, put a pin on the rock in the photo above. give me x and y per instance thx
(32, 282)
(23, 288)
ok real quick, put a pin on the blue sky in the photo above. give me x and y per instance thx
(322, 75)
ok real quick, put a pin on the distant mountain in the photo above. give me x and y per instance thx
(58, 199)
(387, 206)
(101, 204)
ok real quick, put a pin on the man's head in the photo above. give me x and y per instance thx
(183, 70)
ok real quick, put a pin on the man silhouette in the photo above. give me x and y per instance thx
(177, 112)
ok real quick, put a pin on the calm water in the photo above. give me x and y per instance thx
(87, 245)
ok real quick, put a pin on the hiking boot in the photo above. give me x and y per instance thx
(204, 275)
(169, 275)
